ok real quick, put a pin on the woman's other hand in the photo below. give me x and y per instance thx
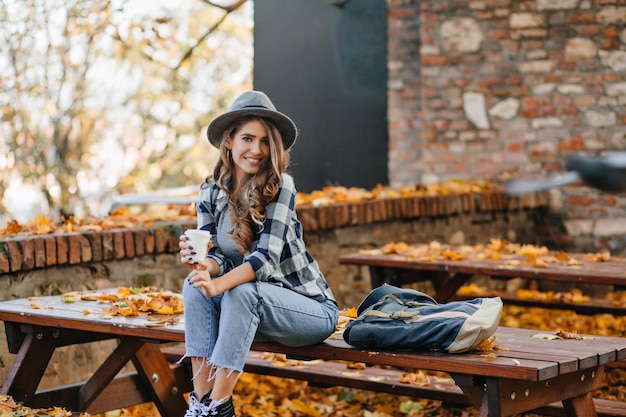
(200, 279)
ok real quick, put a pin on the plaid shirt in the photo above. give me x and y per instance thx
(278, 254)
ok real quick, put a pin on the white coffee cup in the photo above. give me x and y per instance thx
(199, 241)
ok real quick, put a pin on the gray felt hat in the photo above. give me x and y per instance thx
(253, 103)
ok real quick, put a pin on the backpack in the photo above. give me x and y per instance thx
(402, 318)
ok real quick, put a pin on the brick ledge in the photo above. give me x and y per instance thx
(24, 253)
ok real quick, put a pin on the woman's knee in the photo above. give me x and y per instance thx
(192, 295)
(245, 294)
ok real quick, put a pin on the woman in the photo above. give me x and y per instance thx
(258, 281)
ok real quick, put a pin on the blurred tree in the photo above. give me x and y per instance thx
(102, 96)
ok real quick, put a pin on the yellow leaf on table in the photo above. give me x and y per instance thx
(165, 309)
(451, 255)
(487, 344)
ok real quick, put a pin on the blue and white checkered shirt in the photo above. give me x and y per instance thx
(278, 254)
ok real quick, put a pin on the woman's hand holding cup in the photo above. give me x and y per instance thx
(194, 245)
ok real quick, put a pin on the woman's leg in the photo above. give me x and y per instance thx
(254, 308)
(293, 319)
(201, 329)
(269, 312)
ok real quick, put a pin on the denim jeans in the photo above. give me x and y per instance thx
(223, 328)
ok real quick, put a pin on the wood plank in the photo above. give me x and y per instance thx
(471, 363)
(595, 350)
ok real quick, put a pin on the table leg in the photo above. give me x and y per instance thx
(378, 277)
(447, 284)
(497, 397)
(123, 353)
(28, 367)
(580, 406)
(155, 371)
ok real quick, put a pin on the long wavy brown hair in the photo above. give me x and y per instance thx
(247, 202)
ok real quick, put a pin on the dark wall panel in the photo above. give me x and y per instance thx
(326, 67)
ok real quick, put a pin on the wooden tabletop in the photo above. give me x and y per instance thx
(611, 272)
(91, 316)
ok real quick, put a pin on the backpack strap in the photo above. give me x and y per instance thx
(408, 303)
(406, 316)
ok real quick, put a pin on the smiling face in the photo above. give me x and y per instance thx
(249, 147)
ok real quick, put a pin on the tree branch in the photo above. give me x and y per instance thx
(228, 10)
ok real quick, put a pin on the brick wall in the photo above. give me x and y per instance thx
(480, 87)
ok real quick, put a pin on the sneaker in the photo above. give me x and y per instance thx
(226, 409)
(198, 408)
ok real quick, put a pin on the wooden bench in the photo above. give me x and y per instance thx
(527, 374)
(326, 374)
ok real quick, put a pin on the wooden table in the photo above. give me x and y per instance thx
(448, 275)
(34, 334)
(525, 374)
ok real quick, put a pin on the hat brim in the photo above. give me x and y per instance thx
(284, 124)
